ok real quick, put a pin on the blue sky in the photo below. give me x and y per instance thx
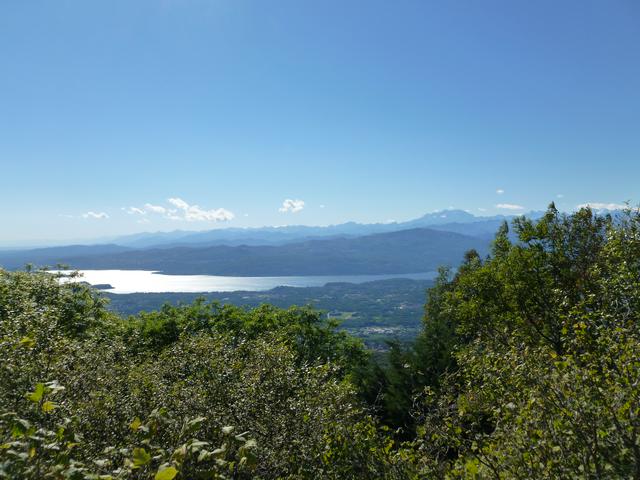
(213, 113)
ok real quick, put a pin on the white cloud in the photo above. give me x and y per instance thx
(171, 215)
(154, 208)
(322, 206)
(178, 202)
(98, 216)
(560, 195)
(602, 206)
(509, 206)
(182, 212)
(134, 211)
(292, 206)
(193, 213)
(499, 191)
(482, 209)
(147, 208)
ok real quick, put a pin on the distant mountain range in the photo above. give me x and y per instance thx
(404, 251)
(458, 221)
(418, 245)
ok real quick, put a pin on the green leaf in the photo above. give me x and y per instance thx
(140, 457)
(472, 467)
(27, 342)
(192, 426)
(37, 394)
(196, 422)
(197, 445)
(251, 443)
(166, 473)
(204, 455)
(135, 425)
(49, 406)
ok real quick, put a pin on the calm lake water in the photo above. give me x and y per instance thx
(142, 281)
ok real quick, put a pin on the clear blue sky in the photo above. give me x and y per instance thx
(364, 110)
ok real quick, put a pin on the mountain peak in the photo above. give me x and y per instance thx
(444, 216)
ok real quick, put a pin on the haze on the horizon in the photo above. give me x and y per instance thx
(155, 115)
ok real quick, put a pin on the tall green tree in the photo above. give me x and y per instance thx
(547, 355)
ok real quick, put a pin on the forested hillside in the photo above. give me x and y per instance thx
(527, 366)
(374, 311)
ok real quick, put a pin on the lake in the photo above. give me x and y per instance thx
(143, 281)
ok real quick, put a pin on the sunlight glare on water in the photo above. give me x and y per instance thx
(143, 281)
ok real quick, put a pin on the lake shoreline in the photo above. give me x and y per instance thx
(147, 281)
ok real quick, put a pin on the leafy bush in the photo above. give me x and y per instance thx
(85, 394)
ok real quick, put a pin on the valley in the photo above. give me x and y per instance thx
(373, 311)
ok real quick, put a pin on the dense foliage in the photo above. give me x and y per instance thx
(529, 362)
(198, 391)
(528, 366)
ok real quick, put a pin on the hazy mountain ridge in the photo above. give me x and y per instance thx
(13, 259)
(414, 246)
(459, 221)
(404, 251)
